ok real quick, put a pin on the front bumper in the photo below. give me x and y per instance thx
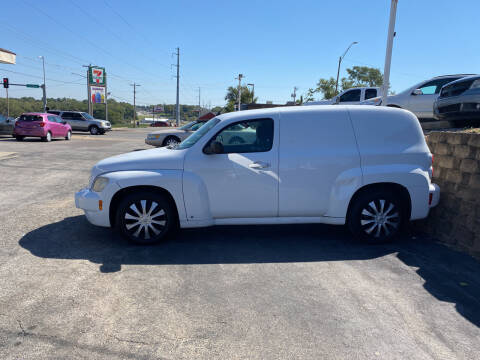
(435, 195)
(89, 201)
(457, 107)
(154, 142)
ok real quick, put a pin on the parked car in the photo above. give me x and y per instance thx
(350, 96)
(7, 125)
(44, 126)
(159, 124)
(419, 98)
(459, 100)
(82, 121)
(173, 136)
(302, 164)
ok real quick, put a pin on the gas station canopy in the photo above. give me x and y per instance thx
(7, 57)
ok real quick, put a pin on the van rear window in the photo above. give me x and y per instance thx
(30, 118)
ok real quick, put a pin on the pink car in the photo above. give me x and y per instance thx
(44, 126)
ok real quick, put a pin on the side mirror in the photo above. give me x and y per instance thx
(64, 122)
(214, 147)
(417, 92)
(336, 100)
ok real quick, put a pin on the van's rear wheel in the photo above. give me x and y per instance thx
(376, 217)
(145, 218)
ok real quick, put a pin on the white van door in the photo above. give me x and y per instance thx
(242, 181)
(318, 160)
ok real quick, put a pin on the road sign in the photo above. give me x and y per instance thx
(96, 76)
(32, 86)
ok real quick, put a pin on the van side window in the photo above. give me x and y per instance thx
(352, 95)
(370, 93)
(246, 136)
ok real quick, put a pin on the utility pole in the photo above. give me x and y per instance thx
(294, 94)
(240, 76)
(44, 86)
(89, 96)
(177, 106)
(134, 103)
(388, 53)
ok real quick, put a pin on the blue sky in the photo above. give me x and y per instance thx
(276, 44)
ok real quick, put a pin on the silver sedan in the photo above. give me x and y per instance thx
(173, 136)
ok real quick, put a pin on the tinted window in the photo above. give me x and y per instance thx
(77, 116)
(31, 118)
(67, 115)
(352, 95)
(247, 136)
(53, 112)
(370, 93)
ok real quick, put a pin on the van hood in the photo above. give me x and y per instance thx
(152, 159)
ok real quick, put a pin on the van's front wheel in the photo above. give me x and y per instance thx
(376, 217)
(145, 218)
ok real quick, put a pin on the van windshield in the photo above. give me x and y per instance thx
(192, 140)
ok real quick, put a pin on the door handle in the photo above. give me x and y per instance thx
(259, 165)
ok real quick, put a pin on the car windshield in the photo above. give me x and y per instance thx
(31, 118)
(188, 126)
(192, 140)
(87, 116)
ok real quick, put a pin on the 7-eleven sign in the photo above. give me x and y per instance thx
(96, 76)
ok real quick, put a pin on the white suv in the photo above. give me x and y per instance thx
(365, 166)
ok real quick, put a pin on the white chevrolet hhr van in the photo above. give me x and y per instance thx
(367, 167)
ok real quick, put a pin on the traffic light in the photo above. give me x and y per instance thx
(5, 83)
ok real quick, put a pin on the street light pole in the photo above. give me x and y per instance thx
(240, 76)
(340, 62)
(388, 53)
(44, 86)
(253, 92)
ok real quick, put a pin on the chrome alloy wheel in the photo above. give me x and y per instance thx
(172, 142)
(145, 218)
(380, 218)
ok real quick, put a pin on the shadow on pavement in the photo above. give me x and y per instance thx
(449, 276)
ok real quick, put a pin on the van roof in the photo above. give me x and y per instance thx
(308, 108)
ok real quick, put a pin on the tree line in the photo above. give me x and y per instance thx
(118, 112)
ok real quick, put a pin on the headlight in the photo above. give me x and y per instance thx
(475, 84)
(99, 183)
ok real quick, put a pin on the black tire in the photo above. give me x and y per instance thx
(19, 137)
(171, 140)
(69, 135)
(376, 216)
(94, 130)
(47, 138)
(135, 209)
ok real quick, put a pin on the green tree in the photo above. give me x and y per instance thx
(232, 97)
(358, 76)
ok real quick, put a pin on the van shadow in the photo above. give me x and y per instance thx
(449, 276)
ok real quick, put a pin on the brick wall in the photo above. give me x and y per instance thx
(456, 220)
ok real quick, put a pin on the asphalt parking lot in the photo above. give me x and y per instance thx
(72, 290)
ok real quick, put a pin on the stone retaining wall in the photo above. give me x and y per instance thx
(456, 220)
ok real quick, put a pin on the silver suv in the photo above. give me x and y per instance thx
(82, 121)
